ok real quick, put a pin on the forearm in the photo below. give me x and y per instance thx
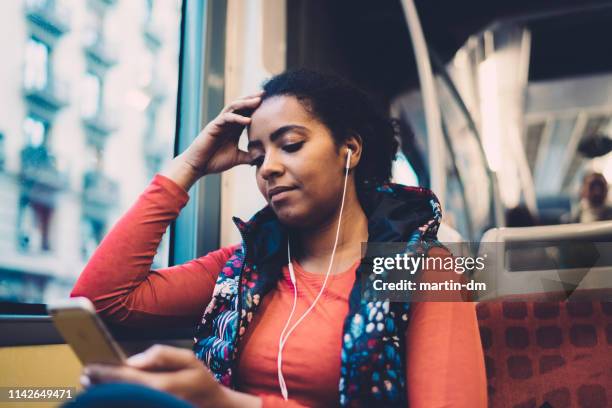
(181, 172)
(123, 259)
(445, 363)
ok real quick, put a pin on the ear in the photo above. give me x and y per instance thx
(355, 143)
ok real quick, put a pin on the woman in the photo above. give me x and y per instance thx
(299, 333)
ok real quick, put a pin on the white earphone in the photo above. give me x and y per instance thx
(283, 337)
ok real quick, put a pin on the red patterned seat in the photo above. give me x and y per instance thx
(540, 349)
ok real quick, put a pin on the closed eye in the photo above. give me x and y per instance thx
(290, 148)
(293, 147)
(257, 161)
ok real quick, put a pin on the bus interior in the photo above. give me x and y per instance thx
(523, 93)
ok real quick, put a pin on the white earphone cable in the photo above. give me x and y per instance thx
(283, 337)
(281, 379)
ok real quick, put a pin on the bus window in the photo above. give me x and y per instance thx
(88, 118)
(403, 172)
(470, 171)
(469, 206)
(534, 112)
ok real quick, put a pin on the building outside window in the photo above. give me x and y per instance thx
(148, 11)
(35, 131)
(92, 85)
(34, 221)
(2, 151)
(37, 3)
(74, 135)
(36, 73)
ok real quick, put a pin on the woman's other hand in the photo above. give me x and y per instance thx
(172, 370)
(215, 149)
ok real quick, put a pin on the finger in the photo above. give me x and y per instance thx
(101, 374)
(258, 93)
(85, 381)
(243, 103)
(230, 117)
(246, 103)
(163, 358)
(244, 157)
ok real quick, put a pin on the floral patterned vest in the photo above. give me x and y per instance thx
(373, 347)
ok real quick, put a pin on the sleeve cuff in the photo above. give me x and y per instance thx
(174, 189)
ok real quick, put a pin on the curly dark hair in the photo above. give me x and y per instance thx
(346, 111)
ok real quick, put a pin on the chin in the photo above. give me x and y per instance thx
(292, 217)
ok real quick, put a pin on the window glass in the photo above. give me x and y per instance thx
(35, 131)
(456, 215)
(468, 185)
(91, 95)
(89, 108)
(403, 172)
(36, 64)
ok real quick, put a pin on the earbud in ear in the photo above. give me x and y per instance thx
(348, 158)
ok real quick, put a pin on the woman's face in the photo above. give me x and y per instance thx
(299, 169)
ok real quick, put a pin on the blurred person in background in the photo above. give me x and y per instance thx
(593, 204)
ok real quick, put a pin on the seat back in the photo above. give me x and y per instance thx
(541, 348)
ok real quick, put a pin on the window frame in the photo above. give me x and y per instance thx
(197, 229)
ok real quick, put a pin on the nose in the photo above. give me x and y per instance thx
(271, 167)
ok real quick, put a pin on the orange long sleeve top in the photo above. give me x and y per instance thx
(444, 360)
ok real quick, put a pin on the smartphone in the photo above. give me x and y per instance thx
(77, 322)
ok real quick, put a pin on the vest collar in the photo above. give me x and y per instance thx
(395, 213)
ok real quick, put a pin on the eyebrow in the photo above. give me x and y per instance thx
(277, 134)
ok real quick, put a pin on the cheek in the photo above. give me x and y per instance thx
(319, 170)
(328, 172)
(323, 187)
(261, 185)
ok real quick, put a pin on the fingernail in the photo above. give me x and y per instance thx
(85, 381)
(136, 359)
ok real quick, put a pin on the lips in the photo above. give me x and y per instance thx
(277, 190)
